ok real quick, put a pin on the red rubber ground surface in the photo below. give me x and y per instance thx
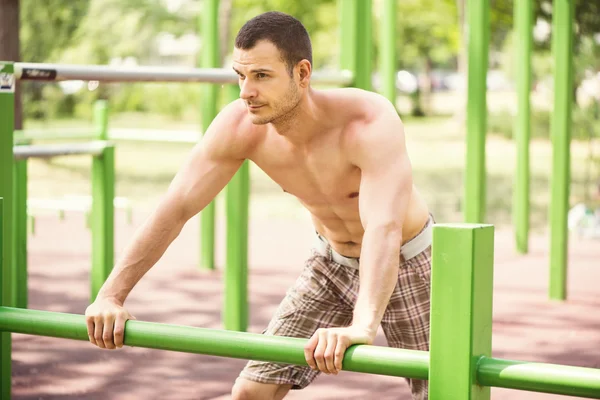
(527, 326)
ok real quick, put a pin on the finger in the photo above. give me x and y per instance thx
(107, 334)
(332, 341)
(99, 326)
(320, 352)
(119, 331)
(90, 329)
(340, 350)
(309, 351)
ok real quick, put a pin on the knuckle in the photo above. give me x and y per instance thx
(119, 332)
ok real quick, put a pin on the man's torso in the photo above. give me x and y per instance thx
(323, 178)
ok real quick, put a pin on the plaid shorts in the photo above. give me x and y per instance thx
(324, 295)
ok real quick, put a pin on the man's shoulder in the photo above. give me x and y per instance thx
(231, 132)
(361, 106)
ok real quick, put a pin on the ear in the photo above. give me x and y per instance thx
(304, 71)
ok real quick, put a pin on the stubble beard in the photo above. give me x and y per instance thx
(284, 111)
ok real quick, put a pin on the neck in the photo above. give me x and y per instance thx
(299, 126)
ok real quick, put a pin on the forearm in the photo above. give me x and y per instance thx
(148, 245)
(379, 263)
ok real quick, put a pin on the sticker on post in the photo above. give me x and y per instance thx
(7, 82)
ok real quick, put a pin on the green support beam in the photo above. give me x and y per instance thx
(461, 309)
(254, 346)
(103, 218)
(5, 337)
(475, 181)
(523, 17)
(364, 45)
(101, 119)
(235, 307)
(7, 276)
(347, 11)
(562, 49)
(209, 58)
(387, 56)
(20, 231)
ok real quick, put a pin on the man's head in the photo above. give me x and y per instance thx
(273, 57)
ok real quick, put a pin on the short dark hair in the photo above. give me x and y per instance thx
(284, 31)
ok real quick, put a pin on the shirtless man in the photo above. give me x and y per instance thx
(342, 153)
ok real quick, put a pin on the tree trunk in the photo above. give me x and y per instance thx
(9, 47)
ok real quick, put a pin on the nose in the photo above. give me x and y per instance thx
(247, 91)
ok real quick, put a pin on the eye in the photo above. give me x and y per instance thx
(261, 75)
(242, 77)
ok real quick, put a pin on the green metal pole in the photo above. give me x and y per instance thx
(5, 337)
(103, 195)
(7, 107)
(538, 377)
(461, 309)
(347, 11)
(388, 50)
(249, 346)
(562, 49)
(208, 108)
(475, 186)
(101, 119)
(364, 45)
(523, 16)
(235, 307)
(20, 231)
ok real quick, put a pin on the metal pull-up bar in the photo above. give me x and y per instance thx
(64, 149)
(106, 73)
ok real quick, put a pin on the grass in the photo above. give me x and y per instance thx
(436, 147)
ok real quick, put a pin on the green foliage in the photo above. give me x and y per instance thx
(427, 30)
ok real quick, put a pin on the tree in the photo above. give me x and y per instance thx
(9, 46)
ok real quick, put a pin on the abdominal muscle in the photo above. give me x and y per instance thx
(343, 229)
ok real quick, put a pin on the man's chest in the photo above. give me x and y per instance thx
(319, 177)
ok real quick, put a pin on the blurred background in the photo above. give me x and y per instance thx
(431, 95)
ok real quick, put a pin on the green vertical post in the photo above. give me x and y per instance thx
(7, 126)
(101, 119)
(7, 285)
(475, 181)
(103, 195)
(364, 45)
(523, 16)
(562, 49)
(235, 308)
(20, 231)
(5, 337)
(461, 309)
(347, 10)
(388, 50)
(209, 58)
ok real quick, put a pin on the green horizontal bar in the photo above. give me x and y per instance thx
(358, 358)
(538, 377)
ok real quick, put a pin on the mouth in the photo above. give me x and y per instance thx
(254, 107)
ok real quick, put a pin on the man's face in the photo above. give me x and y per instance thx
(265, 84)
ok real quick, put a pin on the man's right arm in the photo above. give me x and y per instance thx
(210, 166)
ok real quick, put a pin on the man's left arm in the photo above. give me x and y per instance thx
(385, 189)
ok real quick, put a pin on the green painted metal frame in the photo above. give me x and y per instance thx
(388, 54)
(209, 58)
(562, 49)
(475, 179)
(523, 17)
(235, 307)
(461, 309)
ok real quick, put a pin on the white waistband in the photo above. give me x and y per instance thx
(409, 250)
